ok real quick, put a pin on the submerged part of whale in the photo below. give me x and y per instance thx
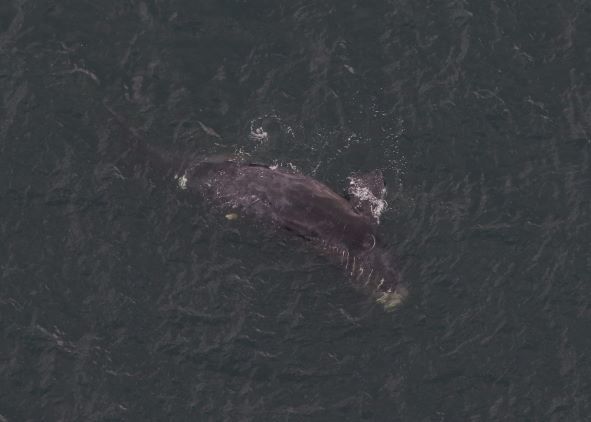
(344, 229)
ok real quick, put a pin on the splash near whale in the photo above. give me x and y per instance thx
(345, 229)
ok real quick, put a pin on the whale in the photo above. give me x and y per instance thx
(344, 228)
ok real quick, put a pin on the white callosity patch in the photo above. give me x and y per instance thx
(181, 181)
(361, 192)
(391, 300)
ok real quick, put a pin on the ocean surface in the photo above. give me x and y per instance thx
(125, 301)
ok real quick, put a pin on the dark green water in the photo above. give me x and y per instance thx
(120, 301)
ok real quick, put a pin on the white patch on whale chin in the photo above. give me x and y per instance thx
(377, 205)
(181, 181)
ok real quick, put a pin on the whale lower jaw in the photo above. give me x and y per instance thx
(392, 300)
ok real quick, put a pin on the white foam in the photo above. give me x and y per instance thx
(258, 135)
(181, 181)
(376, 205)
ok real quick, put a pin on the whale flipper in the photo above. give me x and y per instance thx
(366, 194)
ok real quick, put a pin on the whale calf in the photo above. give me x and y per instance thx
(345, 229)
